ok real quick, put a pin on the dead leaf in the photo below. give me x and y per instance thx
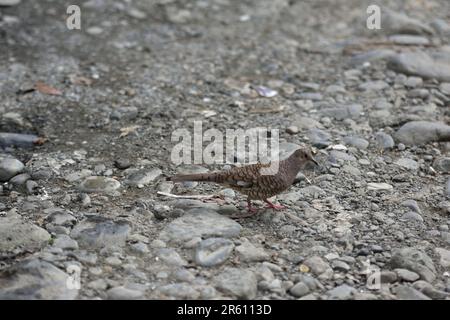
(46, 89)
(127, 130)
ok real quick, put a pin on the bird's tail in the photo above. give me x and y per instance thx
(207, 177)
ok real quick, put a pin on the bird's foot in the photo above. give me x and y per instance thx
(274, 206)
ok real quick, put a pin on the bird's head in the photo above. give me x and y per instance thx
(304, 156)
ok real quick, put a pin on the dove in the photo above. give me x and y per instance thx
(257, 181)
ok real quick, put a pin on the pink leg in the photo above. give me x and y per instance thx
(274, 206)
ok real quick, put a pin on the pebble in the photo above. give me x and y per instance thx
(384, 140)
(65, 242)
(213, 251)
(412, 205)
(179, 291)
(400, 23)
(412, 216)
(404, 292)
(379, 186)
(241, 283)
(250, 253)
(9, 168)
(408, 164)
(373, 85)
(407, 275)
(35, 279)
(406, 39)
(356, 142)
(99, 184)
(388, 276)
(444, 255)
(9, 3)
(143, 177)
(18, 235)
(319, 138)
(123, 293)
(140, 247)
(414, 260)
(420, 64)
(442, 164)
(342, 292)
(317, 265)
(99, 232)
(171, 257)
(200, 222)
(299, 290)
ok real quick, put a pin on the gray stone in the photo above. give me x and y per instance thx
(140, 247)
(376, 85)
(407, 275)
(342, 292)
(420, 64)
(319, 138)
(430, 291)
(248, 252)
(17, 235)
(78, 175)
(388, 276)
(396, 22)
(444, 255)
(143, 177)
(412, 216)
(35, 279)
(299, 290)
(414, 260)
(99, 184)
(60, 217)
(100, 232)
(237, 282)
(9, 168)
(412, 205)
(404, 39)
(65, 242)
(442, 164)
(422, 132)
(99, 284)
(445, 88)
(317, 265)
(413, 82)
(372, 55)
(20, 179)
(384, 140)
(356, 142)
(171, 257)
(123, 293)
(179, 291)
(408, 293)
(408, 164)
(340, 266)
(379, 186)
(213, 251)
(9, 3)
(352, 111)
(200, 222)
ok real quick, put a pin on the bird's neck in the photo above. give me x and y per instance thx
(293, 166)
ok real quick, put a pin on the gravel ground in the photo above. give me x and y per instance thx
(86, 119)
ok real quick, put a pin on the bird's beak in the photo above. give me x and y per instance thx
(315, 161)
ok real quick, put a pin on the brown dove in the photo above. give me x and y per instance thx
(257, 181)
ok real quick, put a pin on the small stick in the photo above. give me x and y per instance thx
(208, 196)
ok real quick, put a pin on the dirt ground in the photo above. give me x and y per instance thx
(112, 94)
